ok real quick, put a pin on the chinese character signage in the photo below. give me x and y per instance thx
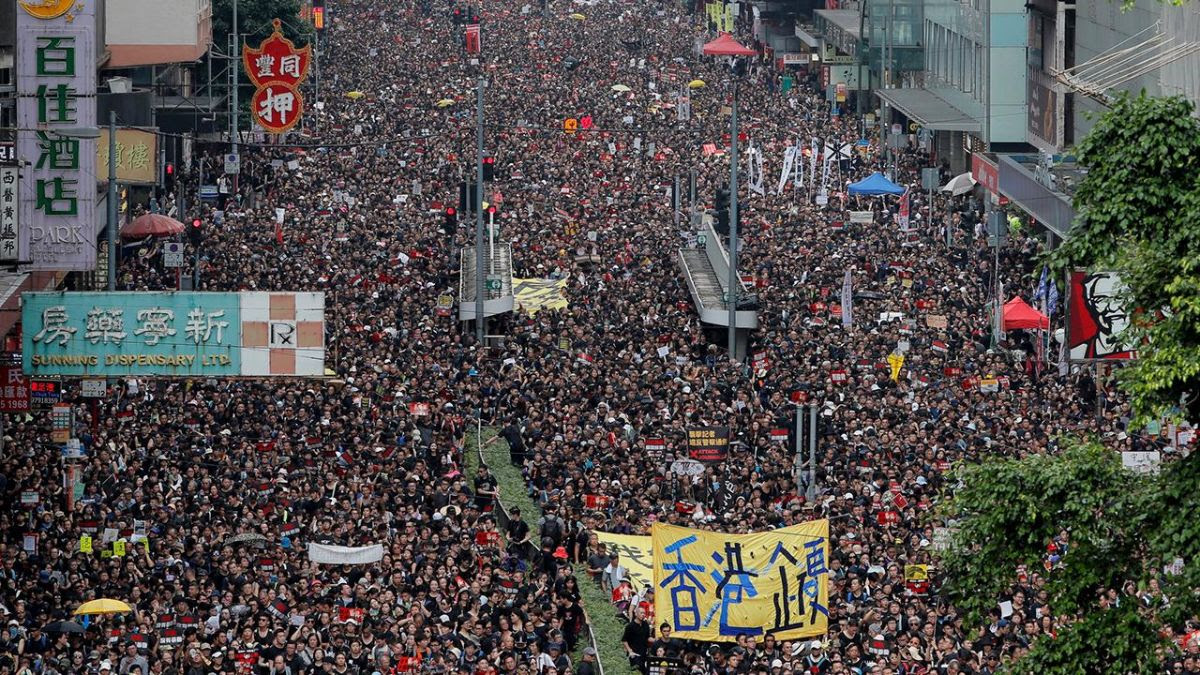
(174, 334)
(56, 89)
(708, 444)
(277, 68)
(716, 587)
(636, 555)
(137, 155)
(14, 390)
(9, 213)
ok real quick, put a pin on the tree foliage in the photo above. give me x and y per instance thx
(1139, 215)
(1118, 529)
(254, 21)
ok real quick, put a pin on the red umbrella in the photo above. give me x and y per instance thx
(151, 225)
(727, 46)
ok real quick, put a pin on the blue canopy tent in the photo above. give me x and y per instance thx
(874, 185)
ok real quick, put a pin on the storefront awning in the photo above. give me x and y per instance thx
(929, 110)
(807, 38)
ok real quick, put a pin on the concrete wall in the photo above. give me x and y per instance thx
(156, 22)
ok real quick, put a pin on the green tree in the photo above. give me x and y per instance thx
(254, 21)
(1111, 528)
(1139, 215)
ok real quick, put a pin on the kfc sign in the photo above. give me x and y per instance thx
(277, 68)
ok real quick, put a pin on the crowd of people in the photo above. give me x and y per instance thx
(349, 460)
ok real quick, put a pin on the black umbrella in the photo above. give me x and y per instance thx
(63, 627)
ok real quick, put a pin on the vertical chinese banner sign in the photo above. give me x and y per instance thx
(277, 68)
(56, 89)
(473, 44)
(715, 587)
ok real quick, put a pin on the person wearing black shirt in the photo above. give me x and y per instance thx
(636, 637)
(517, 531)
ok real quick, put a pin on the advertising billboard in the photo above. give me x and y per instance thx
(173, 334)
(1096, 317)
(137, 155)
(56, 91)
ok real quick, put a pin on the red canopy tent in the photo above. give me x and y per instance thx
(1019, 315)
(725, 45)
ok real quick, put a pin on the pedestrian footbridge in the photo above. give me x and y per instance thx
(498, 285)
(705, 265)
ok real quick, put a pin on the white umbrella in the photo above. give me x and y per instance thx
(959, 185)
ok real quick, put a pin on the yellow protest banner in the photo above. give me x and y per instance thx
(533, 295)
(85, 544)
(119, 548)
(715, 587)
(636, 554)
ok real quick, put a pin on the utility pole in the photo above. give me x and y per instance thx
(812, 453)
(112, 201)
(478, 206)
(235, 42)
(734, 281)
(863, 92)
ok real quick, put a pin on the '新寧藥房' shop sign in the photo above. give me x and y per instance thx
(56, 97)
(180, 334)
(173, 334)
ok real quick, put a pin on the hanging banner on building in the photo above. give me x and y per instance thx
(56, 90)
(173, 334)
(137, 155)
(716, 587)
(1096, 317)
(635, 553)
(277, 68)
(708, 444)
(10, 214)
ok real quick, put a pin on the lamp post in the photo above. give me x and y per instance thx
(725, 45)
(93, 133)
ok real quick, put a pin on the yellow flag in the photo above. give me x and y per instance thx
(896, 361)
(85, 544)
(636, 554)
(714, 587)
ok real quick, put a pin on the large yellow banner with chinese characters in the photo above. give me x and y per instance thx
(634, 553)
(532, 295)
(714, 587)
(137, 156)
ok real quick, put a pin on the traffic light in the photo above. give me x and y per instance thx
(722, 209)
(467, 195)
(489, 169)
(451, 216)
(195, 232)
(169, 177)
(318, 14)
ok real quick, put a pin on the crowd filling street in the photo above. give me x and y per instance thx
(348, 461)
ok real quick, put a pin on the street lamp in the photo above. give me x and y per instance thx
(727, 46)
(92, 133)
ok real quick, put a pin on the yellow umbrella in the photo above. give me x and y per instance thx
(578, 17)
(103, 606)
(696, 84)
(355, 95)
(620, 87)
(445, 102)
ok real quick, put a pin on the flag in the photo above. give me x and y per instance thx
(779, 435)
(655, 445)
(474, 43)
(584, 359)
(939, 346)
(847, 300)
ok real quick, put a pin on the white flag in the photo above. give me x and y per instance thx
(789, 161)
(847, 301)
